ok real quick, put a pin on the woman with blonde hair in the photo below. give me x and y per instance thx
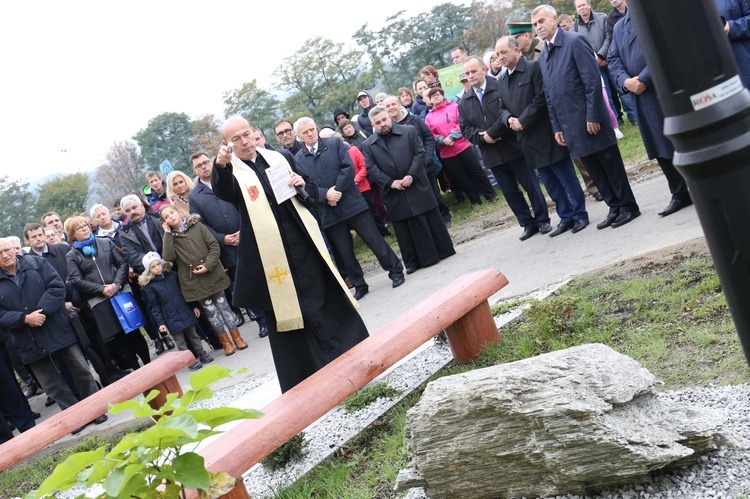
(179, 186)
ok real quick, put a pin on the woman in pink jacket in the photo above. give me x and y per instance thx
(456, 152)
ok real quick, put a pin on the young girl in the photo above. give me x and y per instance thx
(171, 312)
(201, 276)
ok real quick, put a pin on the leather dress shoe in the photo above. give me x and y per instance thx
(579, 226)
(563, 227)
(528, 231)
(398, 280)
(263, 332)
(607, 221)
(598, 196)
(101, 419)
(674, 206)
(361, 292)
(625, 217)
(159, 347)
(544, 227)
(411, 270)
(49, 402)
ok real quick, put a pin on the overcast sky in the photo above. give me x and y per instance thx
(81, 75)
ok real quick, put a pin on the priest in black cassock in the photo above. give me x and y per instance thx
(394, 156)
(283, 267)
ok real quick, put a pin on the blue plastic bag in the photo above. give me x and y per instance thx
(127, 311)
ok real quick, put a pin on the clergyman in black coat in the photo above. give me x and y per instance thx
(394, 155)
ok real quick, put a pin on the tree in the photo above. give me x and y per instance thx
(405, 45)
(258, 106)
(18, 203)
(561, 6)
(488, 24)
(330, 77)
(65, 195)
(121, 172)
(206, 136)
(167, 136)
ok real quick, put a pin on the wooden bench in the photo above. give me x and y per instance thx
(159, 374)
(461, 309)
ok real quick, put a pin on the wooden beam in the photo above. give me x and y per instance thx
(464, 301)
(156, 373)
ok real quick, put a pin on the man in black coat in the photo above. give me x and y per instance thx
(579, 115)
(31, 304)
(56, 255)
(480, 124)
(286, 136)
(628, 67)
(142, 233)
(331, 323)
(395, 161)
(341, 206)
(401, 116)
(523, 108)
(223, 221)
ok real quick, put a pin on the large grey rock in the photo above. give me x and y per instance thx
(574, 421)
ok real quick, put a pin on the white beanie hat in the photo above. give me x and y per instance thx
(150, 257)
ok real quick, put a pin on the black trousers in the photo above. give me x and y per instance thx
(608, 172)
(12, 400)
(340, 238)
(432, 179)
(508, 176)
(374, 212)
(677, 184)
(466, 169)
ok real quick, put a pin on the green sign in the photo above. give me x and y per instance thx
(449, 80)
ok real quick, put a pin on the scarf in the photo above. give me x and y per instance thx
(87, 247)
(280, 284)
(108, 232)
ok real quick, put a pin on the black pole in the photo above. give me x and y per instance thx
(707, 118)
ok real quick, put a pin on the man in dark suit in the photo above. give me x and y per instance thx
(340, 205)
(629, 70)
(394, 155)
(480, 124)
(523, 109)
(142, 233)
(578, 111)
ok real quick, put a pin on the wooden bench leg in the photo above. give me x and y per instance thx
(169, 385)
(239, 492)
(470, 334)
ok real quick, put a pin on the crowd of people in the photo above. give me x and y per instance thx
(199, 250)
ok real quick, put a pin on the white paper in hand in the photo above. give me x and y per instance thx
(279, 175)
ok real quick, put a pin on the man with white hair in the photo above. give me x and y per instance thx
(341, 207)
(579, 115)
(284, 268)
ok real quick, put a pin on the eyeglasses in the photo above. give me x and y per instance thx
(202, 164)
(281, 133)
(81, 228)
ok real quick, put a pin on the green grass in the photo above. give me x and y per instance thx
(369, 394)
(671, 316)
